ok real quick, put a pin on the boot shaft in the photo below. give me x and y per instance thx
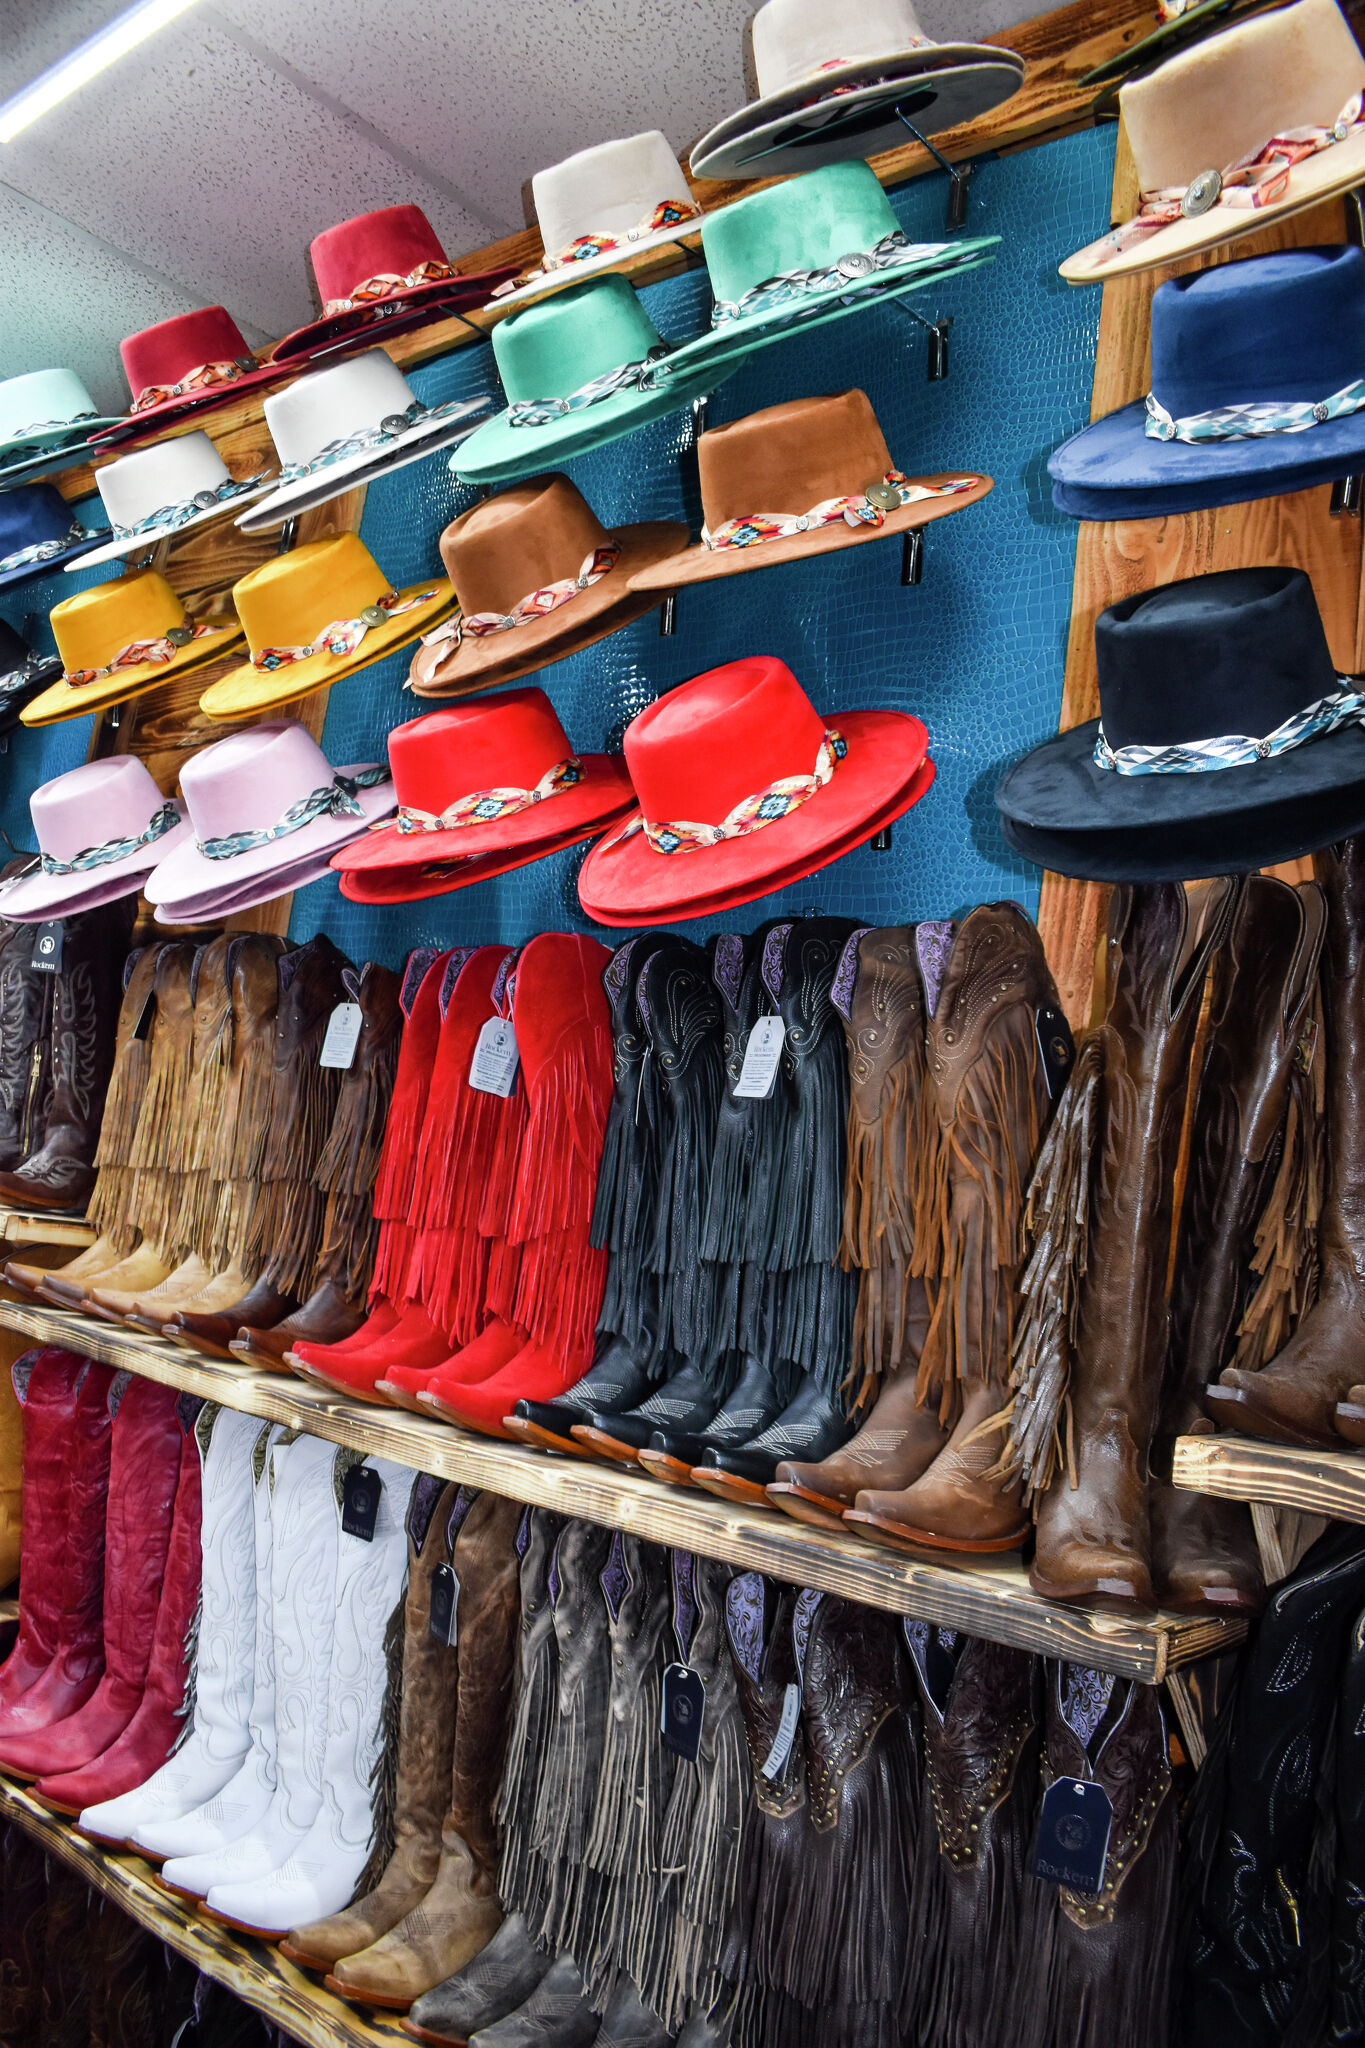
(25, 1044)
(147, 1444)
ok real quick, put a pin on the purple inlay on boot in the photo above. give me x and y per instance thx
(933, 943)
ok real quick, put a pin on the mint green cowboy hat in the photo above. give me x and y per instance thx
(809, 250)
(579, 370)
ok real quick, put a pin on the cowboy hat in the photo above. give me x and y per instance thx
(42, 412)
(740, 779)
(164, 491)
(315, 615)
(101, 829)
(23, 673)
(543, 534)
(214, 905)
(833, 83)
(342, 426)
(1159, 787)
(39, 533)
(186, 365)
(120, 638)
(1242, 130)
(799, 479)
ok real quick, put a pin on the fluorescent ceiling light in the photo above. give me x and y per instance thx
(85, 62)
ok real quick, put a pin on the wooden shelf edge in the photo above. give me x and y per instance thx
(1328, 1483)
(34, 1226)
(989, 1598)
(255, 1971)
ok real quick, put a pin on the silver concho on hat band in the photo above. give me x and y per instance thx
(1202, 193)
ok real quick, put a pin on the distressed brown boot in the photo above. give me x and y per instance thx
(1253, 1125)
(1292, 1400)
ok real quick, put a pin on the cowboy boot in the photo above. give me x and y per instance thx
(617, 1381)
(627, 1181)
(86, 994)
(522, 1875)
(1263, 987)
(1291, 1400)
(813, 1423)
(217, 1737)
(151, 1735)
(25, 1044)
(557, 2014)
(65, 1588)
(1093, 1533)
(426, 1738)
(459, 1913)
(1347, 2018)
(752, 1406)
(628, 2022)
(144, 1470)
(45, 1387)
(23, 1916)
(501, 1977)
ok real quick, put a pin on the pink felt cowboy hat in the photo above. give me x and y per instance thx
(101, 829)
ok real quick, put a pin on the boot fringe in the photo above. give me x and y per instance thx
(349, 1161)
(810, 1184)
(384, 1771)
(1286, 1239)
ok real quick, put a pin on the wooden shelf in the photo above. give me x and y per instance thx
(986, 1598)
(254, 1970)
(1328, 1483)
(38, 1226)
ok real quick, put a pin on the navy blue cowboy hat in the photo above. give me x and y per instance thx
(38, 533)
(23, 673)
(1284, 334)
(1226, 741)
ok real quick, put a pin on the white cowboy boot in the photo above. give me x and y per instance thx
(320, 1875)
(217, 1736)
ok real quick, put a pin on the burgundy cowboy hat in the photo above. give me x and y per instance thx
(743, 788)
(383, 271)
(495, 779)
(186, 365)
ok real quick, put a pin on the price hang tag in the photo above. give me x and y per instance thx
(496, 1059)
(445, 1604)
(1073, 1835)
(771, 1766)
(683, 1711)
(343, 1036)
(761, 1056)
(360, 1502)
(47, 948)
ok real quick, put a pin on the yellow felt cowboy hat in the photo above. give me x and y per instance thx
(317, 614)
(121, 638)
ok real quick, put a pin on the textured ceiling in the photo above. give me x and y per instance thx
(199, 167)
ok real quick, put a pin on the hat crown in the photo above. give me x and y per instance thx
(538, 532)
(331, 405)
(1294, 67)
(41, 396)
(554, 347)
(290, 599)
(506, 741)
(391, 242)
(247, 782)
(708, 745)
(804, 223)
(168, 352)
(790, 458)
(101, 800)
(1284, 327)
(606, 190)
(794, 40)
(95, 625)
(168, 474)
(1236, 652)
(30, 515)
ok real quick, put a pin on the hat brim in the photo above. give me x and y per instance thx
(307, 492)
(701, 564)
(593, 266)
(215, 904)
(414, 306)
(604, 792)
(38, 895)
(245, 690)
(138, 426)
(442, 878)
(74, 557)
(1113, 469)
(40, 444)
(20, 688)
(627, 882)
(854, 115)
(123, 550)
(47, 462)
(188, 877)
(64, 700)
(591, 615)
(497, 453)
(1236, 843)
(1318, 177)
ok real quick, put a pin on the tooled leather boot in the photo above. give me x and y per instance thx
(1093, 1539)
(1263, 988)
(86, 994)
(1291, 1400)
(25, 1044)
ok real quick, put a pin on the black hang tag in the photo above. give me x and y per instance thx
(684, 1711)
(1056, 1049)
(1073, 1835)
(445, 1604)
(143, 1026)
(360, 1502)
(47, 947)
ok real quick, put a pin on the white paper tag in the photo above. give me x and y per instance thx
(771, 1766)
(343, 1035)
(761, 1056)
(496, 1059)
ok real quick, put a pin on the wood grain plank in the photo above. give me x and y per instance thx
(32, 1226)
(1330, 1483)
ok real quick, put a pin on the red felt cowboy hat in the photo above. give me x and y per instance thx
(186, 365)
(384, 271)
(743, 786)
(491, 779)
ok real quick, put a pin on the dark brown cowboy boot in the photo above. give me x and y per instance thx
(1263, 989)
(1292, 1399)
(1093, 1535)
(84, 1007)
(25, 1044)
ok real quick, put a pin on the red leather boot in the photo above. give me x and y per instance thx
(494, 1347)
(152, 1733)
(537, 1373)
(45, 1385)
(144, 1469)
(67, 1580)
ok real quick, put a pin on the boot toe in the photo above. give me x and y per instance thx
(1099, 1572)
(1273, 1406)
